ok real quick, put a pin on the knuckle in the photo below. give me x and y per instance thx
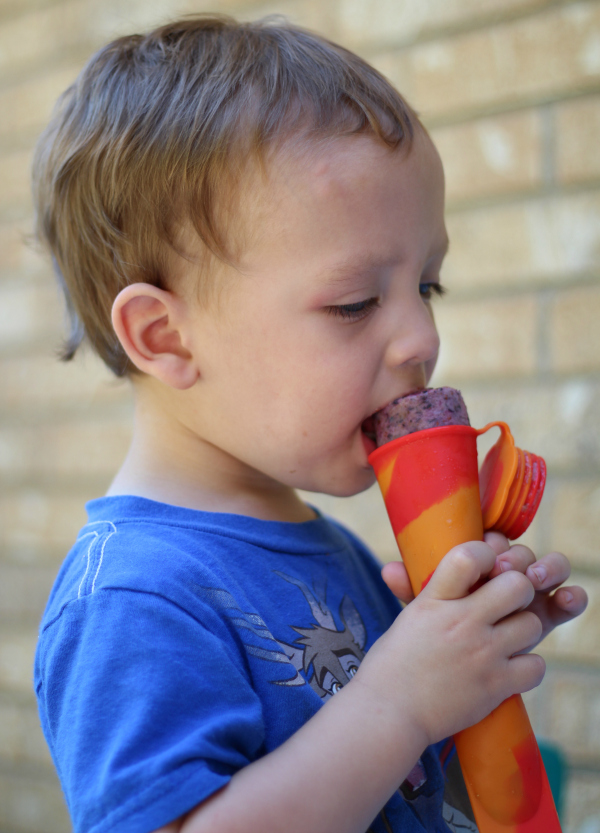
(462, 557)
(539, 667)
(534, 623)
(537, 670)
(512, 578)
(532, 672)
(494, 537)
(524, 551)
(469, 553)
(519, 585)
(525, 555)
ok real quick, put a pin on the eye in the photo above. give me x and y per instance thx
(354, 312)
(336, 687)
(430, 288)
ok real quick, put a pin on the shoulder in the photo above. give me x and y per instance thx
(137, 545)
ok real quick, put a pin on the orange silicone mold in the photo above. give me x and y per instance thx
(511, 484)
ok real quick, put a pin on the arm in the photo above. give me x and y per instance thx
(445, 663)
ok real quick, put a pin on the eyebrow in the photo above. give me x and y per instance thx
(357, 267)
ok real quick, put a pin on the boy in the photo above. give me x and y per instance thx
(260, 215)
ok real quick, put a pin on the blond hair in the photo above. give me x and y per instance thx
(145, 136)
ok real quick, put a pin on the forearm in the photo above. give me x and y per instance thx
(335, 773)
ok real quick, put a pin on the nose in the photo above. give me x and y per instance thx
(415, 341)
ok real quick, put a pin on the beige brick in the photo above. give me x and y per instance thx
(491, 156)
(41, 381)
(388, 20)
(21, 737)
(41, 36)
(90, 449)
(558, 421)
(583, 803)
(573, 704)
(313, 14)
(574, 320)
(36, 37)
(28, 105)
(11, 7)
(24, 591)
(15, 176)
(36, 525)
(18, 253)
(48, 34)
(115, 18)
(7, 6)
(495, 337)
(32, 805)
(576, 521)
(577, 129)
(538, 240)
(17, 649)
(397, 68)
(28, 313)
(537, 701)
(543, 55)
(580, 638)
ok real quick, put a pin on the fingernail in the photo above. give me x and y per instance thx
(567, 597)
(540, 573)
(504, 566)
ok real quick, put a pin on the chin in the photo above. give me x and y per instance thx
(346, 487)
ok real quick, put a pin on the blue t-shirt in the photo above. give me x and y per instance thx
(178, 646)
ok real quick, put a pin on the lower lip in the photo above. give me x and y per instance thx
(368, 444)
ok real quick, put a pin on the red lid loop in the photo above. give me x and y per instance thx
(511, 484)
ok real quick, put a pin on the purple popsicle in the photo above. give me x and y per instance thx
(417, 411)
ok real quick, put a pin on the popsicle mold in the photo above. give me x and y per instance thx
(431, 488)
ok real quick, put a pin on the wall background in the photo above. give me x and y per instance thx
(510, 90)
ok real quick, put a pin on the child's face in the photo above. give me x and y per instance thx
(328, 318)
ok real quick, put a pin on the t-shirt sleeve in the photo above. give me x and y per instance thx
(150, 710)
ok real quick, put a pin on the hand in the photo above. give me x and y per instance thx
(454, 655)
(546, 575)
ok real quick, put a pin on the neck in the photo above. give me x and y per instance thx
(168, 463)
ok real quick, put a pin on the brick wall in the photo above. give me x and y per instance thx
(510, 90)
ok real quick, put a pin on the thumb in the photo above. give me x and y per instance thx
(460, 570)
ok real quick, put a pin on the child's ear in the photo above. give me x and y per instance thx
(148, 323)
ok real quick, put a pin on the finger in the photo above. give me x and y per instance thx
(497, 541)
(396, 577)
(516, 557)
(565, 604)
(549, 572)
(572, 600)
(508, 593)
(518, 633)
(460, 569)
(525, 671)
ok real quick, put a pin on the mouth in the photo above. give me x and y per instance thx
(368, 425)
(368, 428)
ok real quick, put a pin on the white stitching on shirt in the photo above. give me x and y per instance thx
(89, 550)
(114, 529)
(95, 536)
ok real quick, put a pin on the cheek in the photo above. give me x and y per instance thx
(431, 362)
